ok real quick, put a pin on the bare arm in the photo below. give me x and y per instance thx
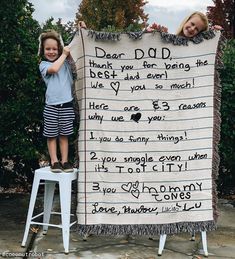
(55, 67)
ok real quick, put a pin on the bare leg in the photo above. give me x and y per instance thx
(64, 148)
(51, 144)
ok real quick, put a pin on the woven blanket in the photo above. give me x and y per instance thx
(148, 134)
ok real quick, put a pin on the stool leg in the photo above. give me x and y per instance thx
(48, 200)
(204, 243)
(162, 241)
(65, 204)
(192, 236)
(33, 197)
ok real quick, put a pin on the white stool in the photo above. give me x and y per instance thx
(162, 241)
(65, 186)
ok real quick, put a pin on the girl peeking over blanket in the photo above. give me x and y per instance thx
(58, 112)
(194, 24)
(191, 26)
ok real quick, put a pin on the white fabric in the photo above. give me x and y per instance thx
(146, 130)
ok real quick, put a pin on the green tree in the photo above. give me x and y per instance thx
(227, 143)
(223, 13)
(21, 93)
(100, 14)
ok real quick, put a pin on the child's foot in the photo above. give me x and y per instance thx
(67, 167)
(56, 167)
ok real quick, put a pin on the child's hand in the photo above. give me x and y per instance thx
(217, 27)
(149, 29)
(81, 24)
(66, 50)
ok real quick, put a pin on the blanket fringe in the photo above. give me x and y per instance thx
(167, 37)
(146, 229)
(102, 35)
(217, 123)
(180, 40)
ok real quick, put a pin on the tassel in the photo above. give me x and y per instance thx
(146, 229)
(167, 37)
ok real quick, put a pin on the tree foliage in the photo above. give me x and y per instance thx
(223, 13)
(20, 93)
(100, 14)
(227, 143)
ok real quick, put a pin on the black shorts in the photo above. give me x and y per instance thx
(58, 120)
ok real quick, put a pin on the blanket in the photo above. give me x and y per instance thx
(148, 134)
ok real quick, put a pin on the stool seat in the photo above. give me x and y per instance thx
(64, 179)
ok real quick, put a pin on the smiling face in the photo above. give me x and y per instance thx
(51, 51)
(193, 26)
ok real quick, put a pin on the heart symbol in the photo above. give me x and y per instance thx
(127, 187)
(115, 86)
(135, 193)
(135, 185)
(136, 117)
